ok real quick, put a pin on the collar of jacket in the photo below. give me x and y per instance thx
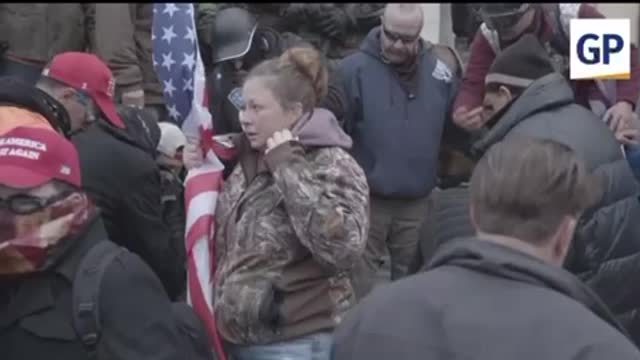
(500, 261)
(124, 135)
(34, 292)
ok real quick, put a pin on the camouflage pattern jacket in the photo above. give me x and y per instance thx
(289, 229)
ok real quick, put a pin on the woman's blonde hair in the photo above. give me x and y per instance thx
(299, 75)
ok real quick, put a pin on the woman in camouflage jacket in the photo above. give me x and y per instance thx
(291, 219)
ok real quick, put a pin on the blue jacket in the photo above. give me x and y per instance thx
(633, 157)
(396, 132)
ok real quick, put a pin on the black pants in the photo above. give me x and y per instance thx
(393, 237)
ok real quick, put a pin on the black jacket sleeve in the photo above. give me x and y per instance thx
(610, 280)
(348, 79)
(618, 182)
(335, 100)
(136, 314)
(607, 258)
(611, 232)
(144, 221)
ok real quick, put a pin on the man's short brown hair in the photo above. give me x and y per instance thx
(524, 187)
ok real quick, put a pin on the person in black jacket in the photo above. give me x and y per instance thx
(42, 204)
(120, 176)
(241, 42)
(502, 294)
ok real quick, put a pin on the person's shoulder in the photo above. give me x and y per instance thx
(355, 60)
(391, 308)
(619, 349)
(336, 158)
(447, 55)
(128, 273)
(415, 289)
(584, 328)
(593, 337)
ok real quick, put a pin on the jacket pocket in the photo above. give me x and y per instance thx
(245, 310)
(269, 312)
(52, 325)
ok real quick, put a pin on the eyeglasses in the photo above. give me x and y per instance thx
(60, 118)
(405, 39)
(22, 204)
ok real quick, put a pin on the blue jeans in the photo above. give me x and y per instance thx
(311, 347)
(633, 157)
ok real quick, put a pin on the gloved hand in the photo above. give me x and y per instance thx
(133, 98)
(335, 22)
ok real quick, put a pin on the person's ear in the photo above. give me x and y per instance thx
(562, 238)
(505, 92)
(296, 111)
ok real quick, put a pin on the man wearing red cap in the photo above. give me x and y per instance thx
(52, 240)
(120, 176)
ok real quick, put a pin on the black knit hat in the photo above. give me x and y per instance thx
(520, 64)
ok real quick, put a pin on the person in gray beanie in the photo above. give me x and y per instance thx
(519, 66)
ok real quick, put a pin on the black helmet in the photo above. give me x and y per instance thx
(499, 16)
(231, 34)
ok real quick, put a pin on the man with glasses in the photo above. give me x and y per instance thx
(50, 234)
(504, 24)
(398, 93)
(119, 175)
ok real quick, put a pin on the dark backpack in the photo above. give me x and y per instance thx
(86, 307)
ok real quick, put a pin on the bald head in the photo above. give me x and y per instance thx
(408, 16)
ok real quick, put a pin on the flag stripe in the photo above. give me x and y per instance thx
(201, 183)
(179, 67)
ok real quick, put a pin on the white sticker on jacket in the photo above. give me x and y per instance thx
(442, 72)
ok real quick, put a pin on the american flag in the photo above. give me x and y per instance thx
(180, 69)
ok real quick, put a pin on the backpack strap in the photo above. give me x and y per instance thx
(86, 293)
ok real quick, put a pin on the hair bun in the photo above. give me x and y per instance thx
(309, 63)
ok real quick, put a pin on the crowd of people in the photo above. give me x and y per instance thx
(385, 199)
